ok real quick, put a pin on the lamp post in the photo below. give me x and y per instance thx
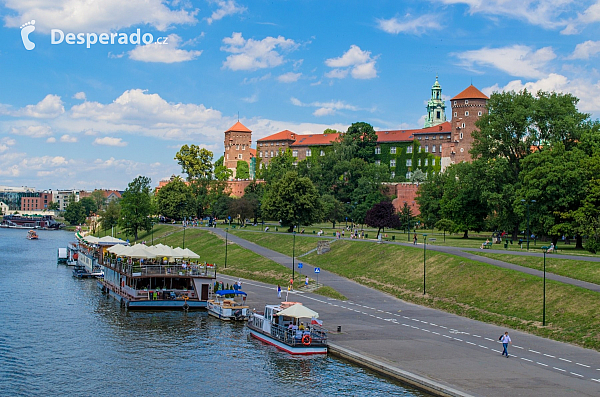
(293, 256)
(184, 232)
(152, 230)
(527, 205)
(226, 234)
(424, 249)
(544, 249)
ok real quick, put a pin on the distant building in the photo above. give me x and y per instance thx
(11, 196)
(63, 197)
(270, 146)
(35, 201)
(3, 208)
(436, 107)
(238, 141)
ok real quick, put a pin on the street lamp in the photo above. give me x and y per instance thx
(293, 256)
(226, 234)
(184, 232)
(527, 205)
(424, 249)
(544, 249)
(152, 230)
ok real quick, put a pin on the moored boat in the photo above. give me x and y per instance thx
(30, 221)
(32, 235)
(228, 309)
(278, 326)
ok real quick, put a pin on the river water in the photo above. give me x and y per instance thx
(61, 336)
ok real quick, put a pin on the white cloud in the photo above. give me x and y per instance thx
(289, 77)
(226, 7)
(80, 96)
(97, 15)
(251, 99)
(163, 53)
(109, 141)
(34, 131)
(49, 107)
(68, 138)
(590, 15)
(356, 61)
(548, 14)
(586, 50)
(252, 54)
(326, 108)
(6, 143)
(517, 60)
(416, 26)
(51, 140)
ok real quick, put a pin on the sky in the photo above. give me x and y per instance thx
(96, 92)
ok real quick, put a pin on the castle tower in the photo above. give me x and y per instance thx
(435, 106)
(238, 140)
(467, 108)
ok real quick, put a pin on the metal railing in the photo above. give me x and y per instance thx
(158, 270)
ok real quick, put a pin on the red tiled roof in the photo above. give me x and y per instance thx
(470, 93)
(444, 127)
(238, 127)
(408, 135)
(315, 139)
(252, 152)
(285, 135)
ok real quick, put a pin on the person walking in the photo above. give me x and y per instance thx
(278, 291)
(306, 282)
(291, 284)
(415, 239)
(505, 339)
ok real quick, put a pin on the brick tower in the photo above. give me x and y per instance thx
(238, 140)
(467, 108)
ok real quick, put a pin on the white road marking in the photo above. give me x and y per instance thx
(471, 343)
(436, 333)
(518, 347)
(533, 351)
(494, 350)
(460, 340)
(526, 359)
(583, 365)
(491, 340)
(559, 369)
(564, 359)
(477, 336)
(545, 365)
(446, 336)
(441, 326)
(596, 380)
(573, 373)
(485, 347)
(549, 355)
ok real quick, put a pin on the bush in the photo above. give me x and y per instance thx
(592, 245)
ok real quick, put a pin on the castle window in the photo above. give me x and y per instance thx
(449, 137)
(237, 147)
(377, 150)
(462, 149)
(393, 150)
(466, 101)
(463, 125)
(409, 149)
(461, 135)
(433, 137)
(271, 143)
(438, 115)
(466, 113)
(426, 162)
(240, 156)
(294, 153)
(419, 162)
(427, 137)
(419, 149)
(243, 147)
(408, 175)
(260, 144)
(432, 161)
(377, 162)
(408, 162)
(271, 153)
(455, 102)
(426, 149)
(259, 154)
(479, 113)
(433, 149)
(392, 174)
(455, 114)
(308, 153)
(322, 153)
(276, 143)
(393, 162)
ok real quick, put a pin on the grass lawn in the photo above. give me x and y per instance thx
(456, 285)
(580, 270)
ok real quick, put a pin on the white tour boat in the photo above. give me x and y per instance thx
(228, 309)
(280, 326)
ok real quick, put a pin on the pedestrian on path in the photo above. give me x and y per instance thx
(505, 339)
(415, 239)
(291, 288)
(306, 282)
(278, 291)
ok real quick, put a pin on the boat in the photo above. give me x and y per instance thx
(278, 326)
(30, 222)
(32, 235)
(144, 277)
(228, 309)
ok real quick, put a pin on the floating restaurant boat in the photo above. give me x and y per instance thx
(32, 235)
(156, 278)
(228, 309)
(89, 252)
(278, 326)
(30, 222)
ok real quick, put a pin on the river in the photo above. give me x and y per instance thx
(61, 336)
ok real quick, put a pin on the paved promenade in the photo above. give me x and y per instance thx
(457, 353)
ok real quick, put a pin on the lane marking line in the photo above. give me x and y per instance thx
(549, 355)
(491, 340)
(533, 351)
(477, 336)
(485, 347)
(564, 359)
(583, 365)
(526, 359)
(559, 369)
(573, 373)
(545, 365)
(471, 343)
(518, 347)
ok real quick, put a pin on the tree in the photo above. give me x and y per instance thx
(278, 166)
(331, 131)
(446, 225)
(240, 208)
(406, 217)
(220, 207)
(175, 200)
(254, 193)
(333, 210)
(75, 213)
(111, 215)
(292, 199)
(242, 170)
(383, 215)
(54, 206)
(196, 162)
(136, 206)
(222, 173)
(99, 199)
(418, 176)
(89, 206)
(361, 137)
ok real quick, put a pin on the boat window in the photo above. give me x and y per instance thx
(268, 313)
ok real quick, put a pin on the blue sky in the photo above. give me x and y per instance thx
(85, 118)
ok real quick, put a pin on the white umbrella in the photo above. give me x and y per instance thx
(298, 311)
(139, 251)
(111, 240)
(191, 254)
(118, 249)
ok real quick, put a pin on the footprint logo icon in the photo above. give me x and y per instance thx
(26, 29)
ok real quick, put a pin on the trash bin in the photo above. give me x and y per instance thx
(276, 229)
(366, 235)
(393, 238)
(505, 244)
(314, 232)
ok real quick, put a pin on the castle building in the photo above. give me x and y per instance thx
(238, 141)
(436, 107)
(270, 146)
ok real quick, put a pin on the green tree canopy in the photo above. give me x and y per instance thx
(196, 162)
(242, 170)
(333, 210)
(361, 137)
(111, 215)
(136, 206)
(89, 206)
(383, 215)
(222, 173)
(75, 213)
(176, 201)
(99, 199)
(293, 200)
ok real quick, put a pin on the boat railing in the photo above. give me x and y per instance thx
(173, 269)
(294, 337)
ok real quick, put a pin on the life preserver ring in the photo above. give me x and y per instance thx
(306, 340)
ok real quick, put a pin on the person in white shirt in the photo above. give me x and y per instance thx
(505, 339)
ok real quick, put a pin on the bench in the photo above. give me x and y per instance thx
(487, 245)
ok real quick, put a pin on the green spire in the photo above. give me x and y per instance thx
(435, 106)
